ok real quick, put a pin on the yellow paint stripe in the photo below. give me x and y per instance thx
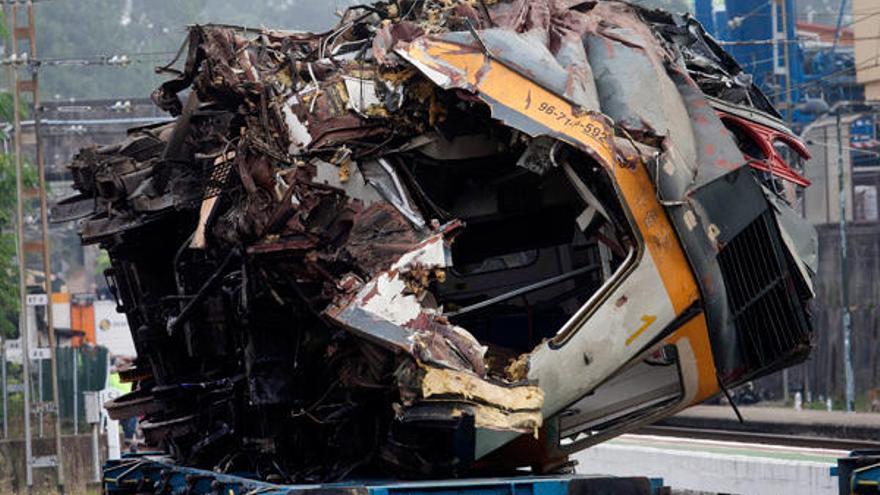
(511, 89)
(647, 320)
(659, 236)
(697, 333)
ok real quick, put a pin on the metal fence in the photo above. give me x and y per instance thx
(80, 370)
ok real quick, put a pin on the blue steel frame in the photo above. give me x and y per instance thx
(824, 72)
(151, 474)
(859, 473)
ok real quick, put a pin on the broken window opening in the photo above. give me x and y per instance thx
(543, 235)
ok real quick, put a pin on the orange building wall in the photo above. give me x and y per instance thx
(82, 317)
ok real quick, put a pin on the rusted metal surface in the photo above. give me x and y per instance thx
(445, 238)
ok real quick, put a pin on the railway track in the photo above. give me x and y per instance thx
(760, 438)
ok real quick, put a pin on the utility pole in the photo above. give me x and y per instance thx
(27, 32)
(789, 108)
(844, 269)
(786, 52)
(22, 270)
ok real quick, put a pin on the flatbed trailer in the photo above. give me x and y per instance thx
(143, 474)
(859, 473)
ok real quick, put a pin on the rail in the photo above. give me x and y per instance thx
(760, 438)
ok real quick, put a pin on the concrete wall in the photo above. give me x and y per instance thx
(823, 372)
(826, 372)
(77, 469)
(822, 198)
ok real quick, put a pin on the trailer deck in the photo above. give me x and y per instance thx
(142, 474)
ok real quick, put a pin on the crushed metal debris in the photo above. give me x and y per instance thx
(447, 237)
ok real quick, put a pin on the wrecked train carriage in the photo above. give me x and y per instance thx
(447, 238)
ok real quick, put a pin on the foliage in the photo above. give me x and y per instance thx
(8, 269)
(103, 263)
(9, 299)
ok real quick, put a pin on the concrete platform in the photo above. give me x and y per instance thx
(708, 466)
(832, 424)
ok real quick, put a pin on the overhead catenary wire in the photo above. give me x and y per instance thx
(115, 105)
(111, 60)
(828, 144)
(737, 22)
(781, 41)
(100, 122)
(857, 17)
(863, 18)
(869, 63)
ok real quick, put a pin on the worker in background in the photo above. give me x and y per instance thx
(129, 425)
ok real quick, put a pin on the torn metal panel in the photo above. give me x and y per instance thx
(392, 311)
(631, 75)
(798, 238)
(515, 100)
(362, 95)
(381, 175)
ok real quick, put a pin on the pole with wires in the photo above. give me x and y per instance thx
(846, 319)
(23, 331)
(21, 86)
(786, 53)
(840, 13)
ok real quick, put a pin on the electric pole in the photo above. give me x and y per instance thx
(27, 32)
(844, 269)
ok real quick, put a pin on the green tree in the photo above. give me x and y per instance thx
(8, 269)
(9, 298)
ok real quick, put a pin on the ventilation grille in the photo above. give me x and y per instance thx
(769, 318)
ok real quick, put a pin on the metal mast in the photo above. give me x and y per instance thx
(27, 32)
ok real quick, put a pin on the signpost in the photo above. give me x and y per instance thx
(40, 354)
(37, 300)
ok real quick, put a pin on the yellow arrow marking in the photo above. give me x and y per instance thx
(647, 320)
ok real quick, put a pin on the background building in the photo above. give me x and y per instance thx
(866, 26)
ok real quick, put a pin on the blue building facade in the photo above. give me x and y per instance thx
(818, 71)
